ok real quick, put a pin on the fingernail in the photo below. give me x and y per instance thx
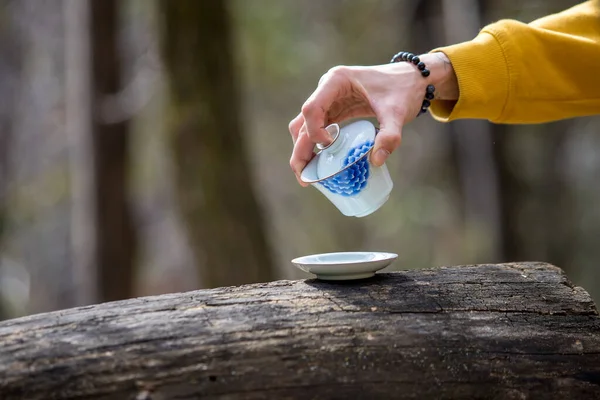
(380, 156)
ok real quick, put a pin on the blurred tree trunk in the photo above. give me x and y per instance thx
(537, 209)
(536, 202)
(213, 173)
(79, 142)
(10, 66)
(512, 191)
(447, 22)
(557, 197)
(473, 148)
(116, 242)
(9, 71)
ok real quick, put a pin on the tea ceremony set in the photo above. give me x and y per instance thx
(343, 173)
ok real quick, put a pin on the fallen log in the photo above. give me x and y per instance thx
(507, 331)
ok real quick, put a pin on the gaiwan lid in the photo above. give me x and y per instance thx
(350, 145)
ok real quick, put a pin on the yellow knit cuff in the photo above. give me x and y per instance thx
(483, 80)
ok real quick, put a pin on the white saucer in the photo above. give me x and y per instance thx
(344, 265)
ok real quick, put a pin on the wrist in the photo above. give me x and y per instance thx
(442, 75)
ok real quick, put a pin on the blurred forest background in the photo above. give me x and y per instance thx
(144, 149)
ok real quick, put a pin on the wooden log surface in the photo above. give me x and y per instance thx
(507, 331)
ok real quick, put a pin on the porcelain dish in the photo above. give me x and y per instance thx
(345, 265)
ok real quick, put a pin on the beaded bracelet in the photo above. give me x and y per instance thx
(410, 57)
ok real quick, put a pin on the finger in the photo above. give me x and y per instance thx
(348, 113)
(315, 108)
(302, 154)
(295, 126)
(388, 139)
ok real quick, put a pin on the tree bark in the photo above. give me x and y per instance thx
(213, 173)
(509, 331)
(116, 242)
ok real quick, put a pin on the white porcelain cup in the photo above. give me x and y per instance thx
(343, 173)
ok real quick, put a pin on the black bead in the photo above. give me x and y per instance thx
(423, 109)
(430, 89)
(421, 65)
(429, 96)
(411, 57)
(426, 103)
(404, 56)
(416, 60)
(425, 73)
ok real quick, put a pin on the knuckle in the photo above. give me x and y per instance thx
(390, 140)
(338, 70)
(334, 73)
(308, 108)
(295, 124)
(393, 141)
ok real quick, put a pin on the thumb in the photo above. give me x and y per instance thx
(387, 140)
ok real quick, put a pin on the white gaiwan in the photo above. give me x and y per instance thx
(343, 173)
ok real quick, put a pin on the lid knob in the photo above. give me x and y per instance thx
(334, 133)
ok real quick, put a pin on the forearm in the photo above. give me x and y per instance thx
(528, 73)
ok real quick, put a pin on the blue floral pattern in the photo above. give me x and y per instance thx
(353, 179)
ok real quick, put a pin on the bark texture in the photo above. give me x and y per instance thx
(510, 331)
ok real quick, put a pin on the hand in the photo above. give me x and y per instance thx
(392, 93)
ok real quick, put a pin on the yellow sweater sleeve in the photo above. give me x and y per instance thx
(528, 73)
